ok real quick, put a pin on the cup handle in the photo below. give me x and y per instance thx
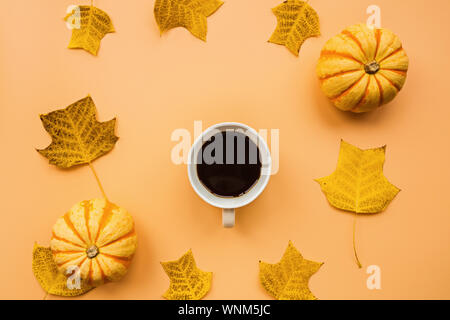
(228, 218)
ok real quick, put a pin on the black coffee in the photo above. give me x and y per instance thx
(228, 164)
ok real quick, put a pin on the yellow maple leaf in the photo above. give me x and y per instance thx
(288, 279)
(358, 184)
(296, 22)
(94, 25)
(187, 282)
(77, 137)
(48, 276)
(189, 14)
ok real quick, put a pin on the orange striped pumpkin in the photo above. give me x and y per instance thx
(362, 68)
(98, 237)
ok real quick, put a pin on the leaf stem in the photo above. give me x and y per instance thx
(98, 181)
(354, 242)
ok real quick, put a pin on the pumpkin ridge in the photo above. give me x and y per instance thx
(338, 74)
(87, 214)
(402, 72)
(112, 256)
(122, 260)
(63, 263)
(91, 272)
(81, 262)
(390, 81)
(102, 273)
(346, 91)
(81, 265)
(54, 236)
(67, 262)
(328, 53)
(68, 251)
(106, 270)
(72, 227)
(380, 88)
(366, 93)
(352, 36)
(106, 217)
(378, 39)
(389, 45)
(391, 54)
(125, 236)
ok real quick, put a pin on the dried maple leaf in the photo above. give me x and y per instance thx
(95, 24)
(288, 279)
(358, 184)
(296, 22)
(189, 14)
(187, 282)
(77, 137)
(48, 276)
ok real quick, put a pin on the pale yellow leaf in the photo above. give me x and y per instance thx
(358, 184)
(189, 14)
(288, 279)
(77, 137)
(187, 282)
(296, 22)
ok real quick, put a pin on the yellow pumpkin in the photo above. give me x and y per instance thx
(96, 236)
(362, 68)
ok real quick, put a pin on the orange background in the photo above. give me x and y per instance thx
(155, 85)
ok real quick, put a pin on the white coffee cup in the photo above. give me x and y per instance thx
(229, 204)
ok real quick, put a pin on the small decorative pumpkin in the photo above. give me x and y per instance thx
(98, 237)
(362, 68)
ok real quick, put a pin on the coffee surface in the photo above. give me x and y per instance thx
(228, 164)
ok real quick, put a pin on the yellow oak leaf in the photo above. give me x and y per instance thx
(296, 22)
(93, 25)
(288, 279)
(77, 136)
(189, 14)
(358, 184)
(50, 279)
(187, 282)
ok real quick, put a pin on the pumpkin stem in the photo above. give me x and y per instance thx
(372, 67)
(98, 181)
(354, 243)
(92, 252)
